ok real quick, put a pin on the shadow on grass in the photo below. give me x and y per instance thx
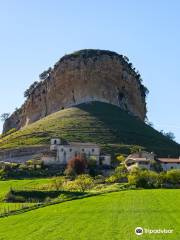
(39, 196)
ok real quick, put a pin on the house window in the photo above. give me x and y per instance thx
(93, 150)
(70, 150)
(55, 141)
(62, 149)
(83, 150)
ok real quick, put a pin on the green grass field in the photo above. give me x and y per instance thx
(19, 184)
(110, 216)
(97, 122)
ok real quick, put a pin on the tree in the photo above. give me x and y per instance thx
(120, 158)
(29, 91)
(77, 165)
(135, 149)
(4, 116)
(170, 135)
(45, 74)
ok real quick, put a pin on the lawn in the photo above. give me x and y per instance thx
(108, 216)
(22, 184)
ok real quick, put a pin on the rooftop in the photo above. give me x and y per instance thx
(169, 160)
(138, 159)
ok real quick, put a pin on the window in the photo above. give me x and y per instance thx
(62, 149)
(83, 150)
(70, 150)
(93, 150)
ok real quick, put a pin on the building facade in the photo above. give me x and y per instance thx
(140, 159)
(144, 160)
(62, 153)
(169, 163)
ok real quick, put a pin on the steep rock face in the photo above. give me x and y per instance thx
(84, 76)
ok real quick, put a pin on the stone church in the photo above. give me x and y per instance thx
(61, 153)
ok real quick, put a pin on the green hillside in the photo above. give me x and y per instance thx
(96, 122)
(109, 217)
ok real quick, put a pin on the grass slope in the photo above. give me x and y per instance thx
(19, 185)
(96, 122)
(109, 217)
(22, 184)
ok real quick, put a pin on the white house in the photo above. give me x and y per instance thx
(61, 153)
(169, 163)
(140, 159)
(144, 159)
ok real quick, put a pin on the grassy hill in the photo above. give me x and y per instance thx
(97, 122)
(108, 216)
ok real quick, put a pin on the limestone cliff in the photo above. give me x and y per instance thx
(84, 76)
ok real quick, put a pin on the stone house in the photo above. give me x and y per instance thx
(61, 153)
(143, 160)
(140, 159)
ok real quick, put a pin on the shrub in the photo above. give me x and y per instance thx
(120, 175)
(77, 165)
(173, 176)
(156, 166)
(143, 178)
(92, 167)
(58, 183)
(135, 149)
(84, 182)
(111, 179)
(71, 186)
(99, 179)
(120, 158)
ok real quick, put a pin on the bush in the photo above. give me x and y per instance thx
(92, 167)
(120, 175)
(111, 179)
(71, 186)
(99, 179)
(58, 183)
(156, 166)
(77, 165)
(173, 176)
(84, 182)
(143, 179)
(120, 158)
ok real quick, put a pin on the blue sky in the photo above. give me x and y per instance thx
(35, 34)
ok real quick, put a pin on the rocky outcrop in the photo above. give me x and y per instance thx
(84, 76)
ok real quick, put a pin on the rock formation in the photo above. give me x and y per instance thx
(84, 76)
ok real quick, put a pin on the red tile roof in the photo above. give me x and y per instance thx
(169, 160)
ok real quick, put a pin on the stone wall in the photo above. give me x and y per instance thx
(22, 155)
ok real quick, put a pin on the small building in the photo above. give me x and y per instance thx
(169, 163)
(62, 152)
(140, 159)
(144, 160)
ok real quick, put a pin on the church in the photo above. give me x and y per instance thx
(62, 153)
